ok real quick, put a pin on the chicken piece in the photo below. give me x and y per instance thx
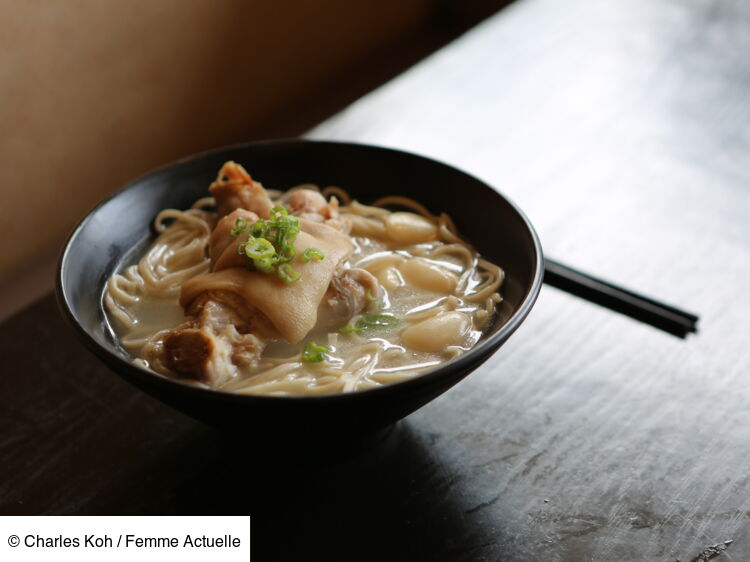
(222, 333)
(349, 293)
(311, 205)
(235, 189)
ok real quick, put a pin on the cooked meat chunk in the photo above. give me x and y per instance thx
(349, 293)
(233, 311)
(312, 205)
(235, 189)
(222, 333)
(189, 352)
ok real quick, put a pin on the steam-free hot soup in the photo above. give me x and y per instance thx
(300, 292)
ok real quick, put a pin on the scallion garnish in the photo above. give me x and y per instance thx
(270, 244)
(377, 321)
(265, 265)
(278, 210)
(312, 254)
(259, 229)
(287, 253)
(262, 252)
(314, 353)
(370, 321)
(239, 226)
(288, 273)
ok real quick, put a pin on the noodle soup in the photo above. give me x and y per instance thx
(302, 292)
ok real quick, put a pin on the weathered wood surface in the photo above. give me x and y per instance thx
(622, 128)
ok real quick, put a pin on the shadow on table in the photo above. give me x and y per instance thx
(76, 440)
(388, 499)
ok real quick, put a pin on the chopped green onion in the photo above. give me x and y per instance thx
(314, 353)
(259, 229)
(287, 254)
(259, 248)
(239, 226)
(370, 296)
(312, 254)
(265, 265)
(370, 321)
(262, 252)
(288, 273)
(270, 244)
(377, 321)
(287, 229)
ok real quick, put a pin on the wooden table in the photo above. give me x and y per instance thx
(623, 129)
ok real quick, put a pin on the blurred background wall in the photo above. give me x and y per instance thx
(94, 93)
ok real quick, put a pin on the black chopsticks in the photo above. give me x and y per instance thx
(672, 320)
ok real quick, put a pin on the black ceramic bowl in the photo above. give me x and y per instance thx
(104, 241)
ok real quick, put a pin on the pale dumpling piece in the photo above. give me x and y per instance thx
(381, 262)
(438, 332)
(390, 278)
(385, 268)
(409, 228)
(422, 274)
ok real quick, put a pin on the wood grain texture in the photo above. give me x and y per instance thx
(621, 128)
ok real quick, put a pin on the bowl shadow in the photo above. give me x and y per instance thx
(388, 498)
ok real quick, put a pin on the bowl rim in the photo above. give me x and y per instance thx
(476, 354)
